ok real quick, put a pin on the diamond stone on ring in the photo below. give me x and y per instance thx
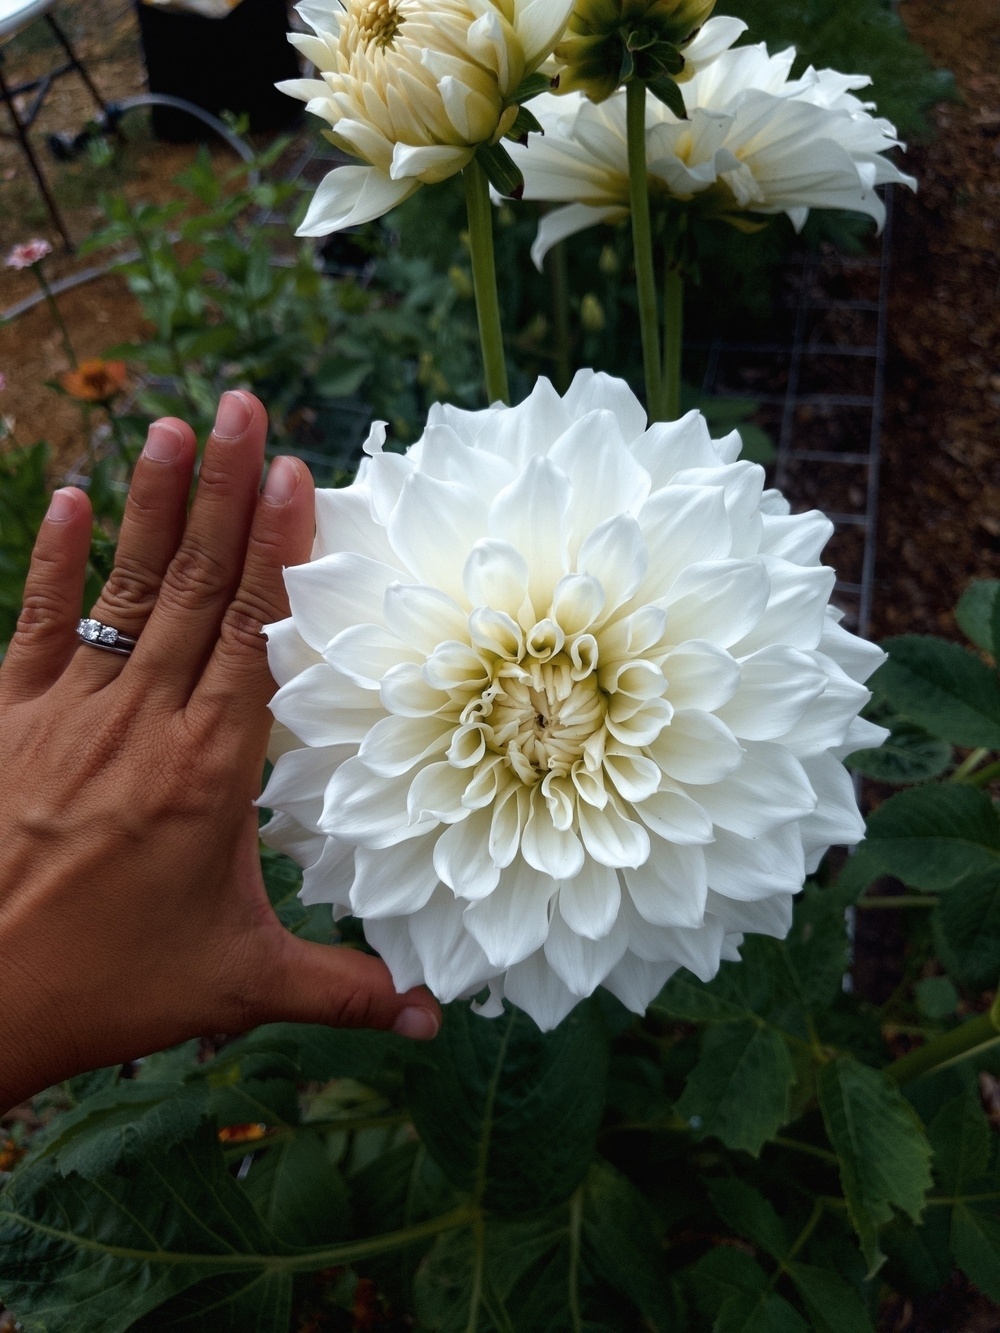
(99, 635)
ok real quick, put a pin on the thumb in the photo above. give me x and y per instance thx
(344, 988)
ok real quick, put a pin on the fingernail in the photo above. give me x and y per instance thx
(282, 481)
(163, 443)
(62, 506)
(233, 416)
(418, 1024)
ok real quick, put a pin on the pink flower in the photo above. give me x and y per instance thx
(28, 254)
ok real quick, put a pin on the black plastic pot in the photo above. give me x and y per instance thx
(227, 64)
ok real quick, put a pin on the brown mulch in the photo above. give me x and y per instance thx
(939, 525)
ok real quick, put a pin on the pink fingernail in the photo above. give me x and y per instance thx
(233, 416)
(163, 443)
(417, 1023)
(62, 506)
(282, 481)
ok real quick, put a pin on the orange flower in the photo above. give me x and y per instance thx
(94, 380)
(242, 1133)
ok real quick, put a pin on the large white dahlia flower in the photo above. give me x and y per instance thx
(756, 142)
(412, 88)
(562, 702)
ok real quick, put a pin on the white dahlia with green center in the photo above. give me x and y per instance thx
(412, 88)
(562, 702)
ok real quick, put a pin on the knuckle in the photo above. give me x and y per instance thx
(44, 611)
(195, 578)
(354, 1008)
(129, 588)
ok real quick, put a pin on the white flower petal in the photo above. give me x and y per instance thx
(287, 651)
(462, 857)
(768, 789)
(299, 779)
(720, 601)
(422, 617)
(391, 940)
(796, 608)
(749, 868)
(589, 901)
(395, 745)
(606, 480)
(674, 815)
(530, 514)
(580, 963)
(555, 852)
(328, 595)
(671, 887)
(426, 508)
(700, 675)
(615, 554)
(760, 916)
(392, 881)
(611, 838)
(344, 523)
(535, 988)
(322, 707)
(696, 747)
(362, 808)
(452, 961)
(365, 653)
(513, 921)
(350, 196)
(777, 687)
(681, 526)
(637, 982)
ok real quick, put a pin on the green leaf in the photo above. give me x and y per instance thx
(260, 1304)
(816, 950)
(531, 87)
(936, 997)
(942, 687)
(759, 1314)
(832, 1304)
(622, 1246)
(978, 615)
(510, 1114)
(526, 123)
(967, 930)
(85, 1257)
(930, 837)
(120, 1126)
(503, 172)
(750, 1215)
(298, 1192)
(739, 1089)
(665, 90)
(880, 1143)
(694, 1002)
(963, 1163)
(909, 754)
(721, 1274)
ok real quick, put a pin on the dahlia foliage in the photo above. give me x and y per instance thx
(565, 702)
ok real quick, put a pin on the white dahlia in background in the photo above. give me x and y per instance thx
(562, 702)
(755, 143)
(412, 88)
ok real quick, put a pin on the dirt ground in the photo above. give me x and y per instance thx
(939, 525)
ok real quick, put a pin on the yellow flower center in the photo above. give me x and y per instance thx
(541, 717)
(378, 21)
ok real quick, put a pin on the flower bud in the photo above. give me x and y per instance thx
(608, 42)
(608, 262)
(592, 313)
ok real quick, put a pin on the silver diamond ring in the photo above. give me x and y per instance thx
(99, 635)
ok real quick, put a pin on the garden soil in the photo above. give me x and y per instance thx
(939, 519)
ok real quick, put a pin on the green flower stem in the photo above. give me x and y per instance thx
(984, 776)
(949, 1047)
(53, 305)
(560, 315)
(966, 767)
(642, 245)
(484, 277)
(673, 340)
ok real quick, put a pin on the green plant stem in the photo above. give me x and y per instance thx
(642, 245)
(949, 1048)
(60, 323)
(673, 340)
(984, 776)
(560, 315)
(901, 900)
(967, 765)
(478, 1267)
(484, 278)
(810, 1149)
(575, 1227)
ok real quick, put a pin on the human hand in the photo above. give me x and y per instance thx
(133, 914)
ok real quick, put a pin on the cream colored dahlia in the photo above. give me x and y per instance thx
(755, 143)
(412, 88)
(562, 702)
